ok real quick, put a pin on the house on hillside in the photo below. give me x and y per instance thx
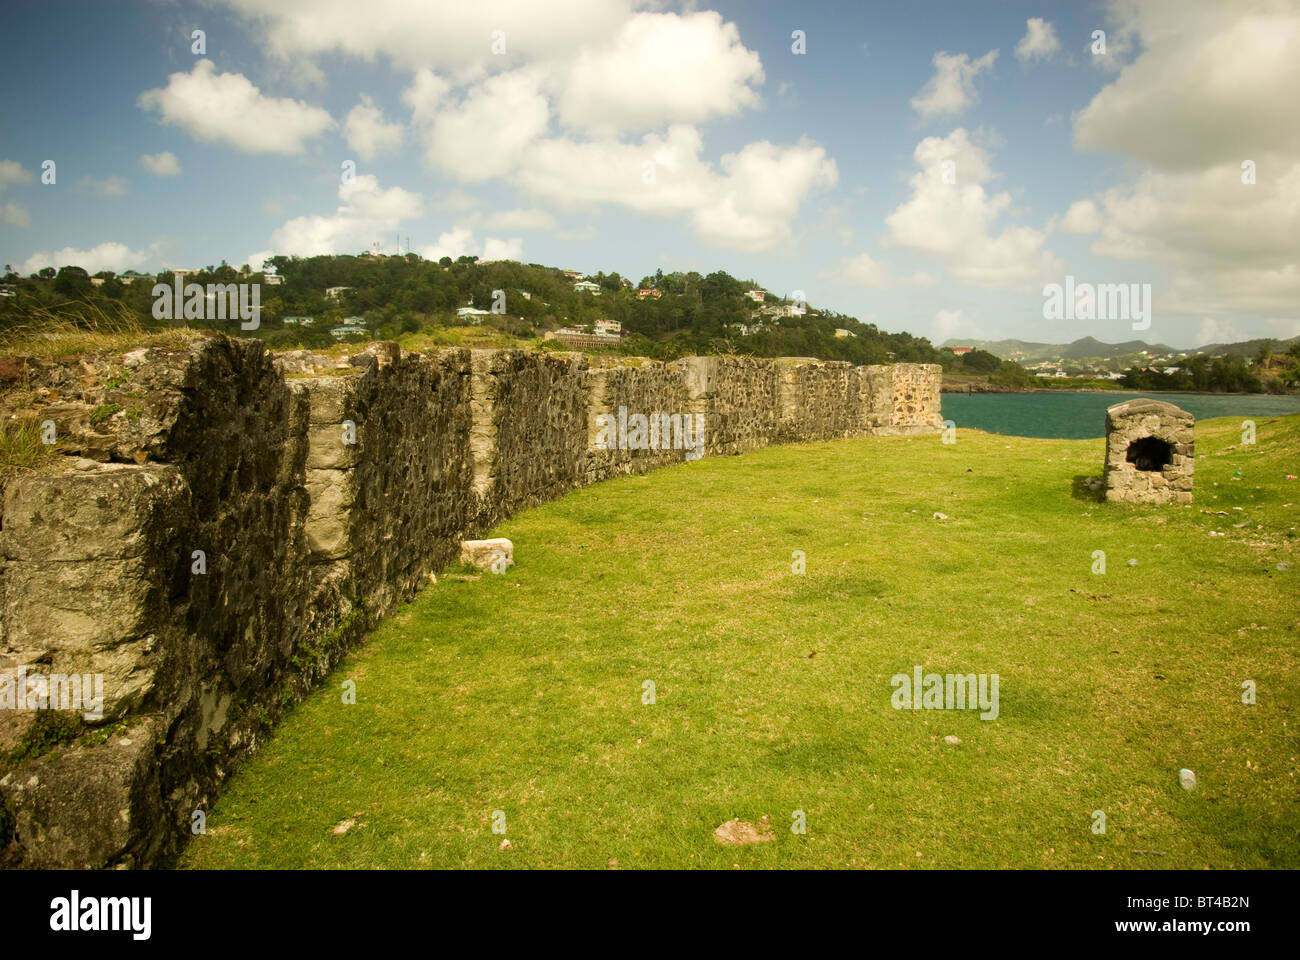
(841, 332)
(8, 290)
(333, 293)
(643, 294)
(349, 327)
(472, 314)
(272, 279)
(586, 286)
(299, 321)
(576, 337)
(756, 295)
(961, 351)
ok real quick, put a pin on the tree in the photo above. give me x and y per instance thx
(980, 361)
(73, 283)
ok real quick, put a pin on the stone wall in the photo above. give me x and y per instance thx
(220, 526)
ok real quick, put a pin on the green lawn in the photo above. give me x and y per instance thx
(522, 692)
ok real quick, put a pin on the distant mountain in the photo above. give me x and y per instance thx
(1087, 348)
(1009, 349)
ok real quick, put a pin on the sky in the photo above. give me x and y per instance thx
(925, 166)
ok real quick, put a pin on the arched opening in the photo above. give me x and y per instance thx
(1150, 453)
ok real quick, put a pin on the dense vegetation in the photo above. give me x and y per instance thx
(693, 314)
(407, 296)
(1227, 374)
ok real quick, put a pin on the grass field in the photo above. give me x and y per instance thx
(523, 693)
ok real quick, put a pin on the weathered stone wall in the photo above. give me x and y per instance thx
(644, 387)
(819, 400)
(307, 539)
(738, 398)
(529, 428)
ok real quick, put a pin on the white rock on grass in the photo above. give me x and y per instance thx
(493, 555)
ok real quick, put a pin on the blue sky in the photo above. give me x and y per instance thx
(821, 172)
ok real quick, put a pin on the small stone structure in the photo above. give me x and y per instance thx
(1149, 452)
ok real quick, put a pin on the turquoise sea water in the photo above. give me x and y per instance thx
(1070, 414)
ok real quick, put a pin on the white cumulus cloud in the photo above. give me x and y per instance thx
(108, 187)
(11, 171)
(459, 242)
(661, 67)
(366, 213)
(1207, 102)
(957, 223)
(1082, 217)
(368, 133)
(15, 215)
(952, 87)
(227, 108)
(749, 204)
(162, 164)
(486, 134)
(1039, 42)
(106, 256)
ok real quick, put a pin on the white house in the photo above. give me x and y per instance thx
(350, 326)
(588, 287)
(333, 293)
(756, 295)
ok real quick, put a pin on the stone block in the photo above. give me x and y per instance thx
(494, 555)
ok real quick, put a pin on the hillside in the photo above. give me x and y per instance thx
(1090, 348)
(664, 316)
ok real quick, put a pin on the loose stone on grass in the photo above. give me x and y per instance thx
(497, 553)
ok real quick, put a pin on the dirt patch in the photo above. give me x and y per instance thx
(739, 833)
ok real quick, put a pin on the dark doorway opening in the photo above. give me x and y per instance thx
(1150, 453)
